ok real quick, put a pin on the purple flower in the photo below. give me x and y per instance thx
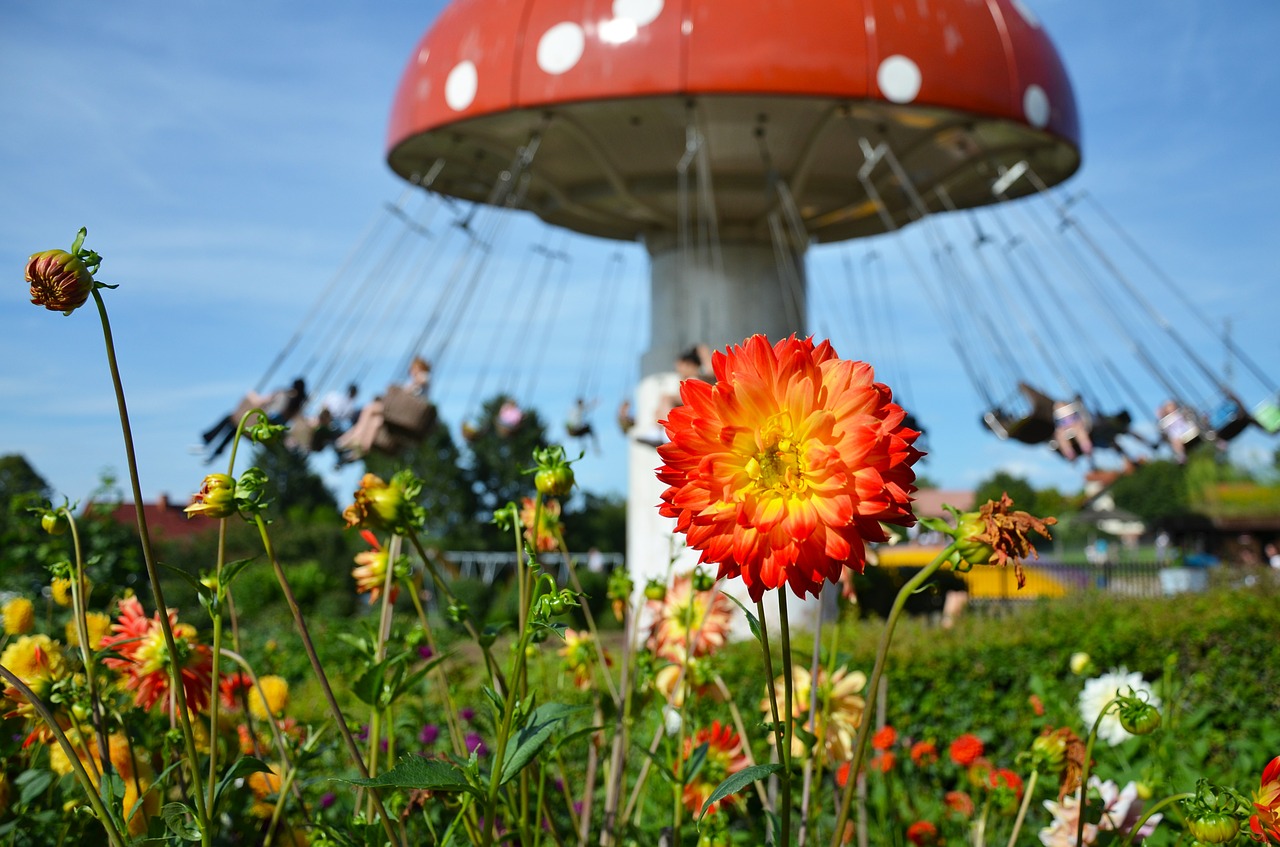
(328, 799)
(362, 733)
(466, 713)
(475, 745)
(430, 732)
(426, 652)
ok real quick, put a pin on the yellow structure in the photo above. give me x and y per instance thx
(985, 583)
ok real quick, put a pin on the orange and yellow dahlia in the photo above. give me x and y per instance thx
(686, 621)
(1265, 825)
(781, 470)
(370, 572)
(725, 757)
(142, 657)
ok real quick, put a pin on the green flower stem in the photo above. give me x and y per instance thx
(1088, 760)
(617, 757)
(519, 681)
(277, 810)
(82, 776)
(334, 709)
(788, 684)
(78, 610)
(806, 792)
(153, 575)
(282, 749)
(450, 712)
(380, 653)
(1168, 801)
(491, 664)
(572, 567)
(1022, 809)
(778, 738)
(741, 727)
(882, 655)
(215, 678)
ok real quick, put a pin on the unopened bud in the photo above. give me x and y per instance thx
(59, 281)
(215, 499)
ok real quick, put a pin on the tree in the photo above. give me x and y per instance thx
(1155, 492)
(293, 486)
(1019, 490)
(500, 455)
(599, 522)
(447, 496)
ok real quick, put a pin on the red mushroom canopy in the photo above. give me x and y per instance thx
(957, 89)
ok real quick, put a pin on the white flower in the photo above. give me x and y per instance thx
(1100, 691)
(671, 719)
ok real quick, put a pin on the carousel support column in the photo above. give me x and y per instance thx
(693, 303)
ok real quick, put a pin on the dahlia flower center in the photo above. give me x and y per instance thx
(780, 466)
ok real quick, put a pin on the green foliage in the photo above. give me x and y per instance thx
(292, 487)
(447, 495)
(1022, 493)
(1155, 492)
(499, 457)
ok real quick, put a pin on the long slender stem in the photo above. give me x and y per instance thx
(1147, 815)
(788, 684)
(572, 568)
(882, 655)
(778, 738)
(1022, 809)
(153, 575)
(806, 791)
(78, 606)
(318, 669)
(82, 776)
(1088, 760)
(220, 592)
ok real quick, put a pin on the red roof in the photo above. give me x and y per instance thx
(928, 502)
(164, 519)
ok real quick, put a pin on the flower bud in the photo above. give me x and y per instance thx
(1048, 753)
(703, 581)
(655, 590)
(1138, 717)
(1080, 663)
(54, 523)
(969, 541)
(378, 504)
(215, 499)
(59, 281)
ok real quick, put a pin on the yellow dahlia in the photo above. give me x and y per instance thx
(133, 766)
(839, 710)
(724, 758)
(276, 691)
(19, 616)
(781, 470)
(685, 618)
(98, 624)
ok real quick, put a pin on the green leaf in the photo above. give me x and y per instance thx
(200, 588)
(737, 782)
(529, 740)
(242, 767)
(575, 735)
(181, 821)
(752, 620)
(232, 570)
(31, 784)
(696, 760)
(418, 772)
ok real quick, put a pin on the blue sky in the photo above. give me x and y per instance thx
(227, 157)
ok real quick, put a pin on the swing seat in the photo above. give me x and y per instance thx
(1229, 419)
(1180, 426)
(1267, 415)
(407, 413)
(578, 431)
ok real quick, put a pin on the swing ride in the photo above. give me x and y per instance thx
(727, 145)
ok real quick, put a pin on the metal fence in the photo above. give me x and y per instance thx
(491, 567)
